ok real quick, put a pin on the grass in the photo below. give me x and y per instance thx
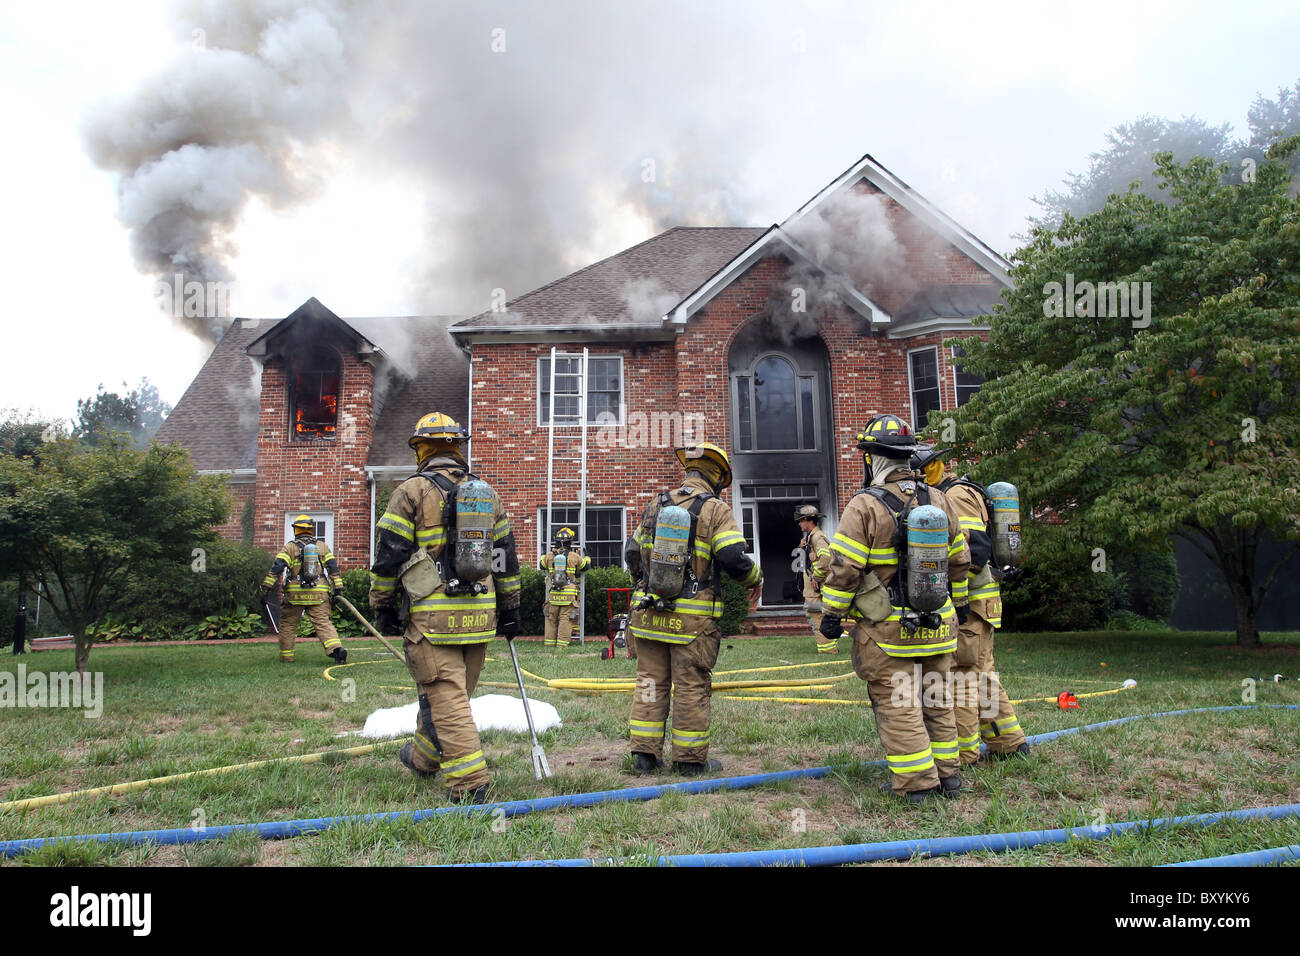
(172, 709)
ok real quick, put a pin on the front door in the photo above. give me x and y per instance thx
(781, 443)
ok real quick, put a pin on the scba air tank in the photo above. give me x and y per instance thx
(669, 552)
(927, 558)
(475, 519)
(1005, 502)
(310, 573)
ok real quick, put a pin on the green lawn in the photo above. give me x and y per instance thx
(171, 709)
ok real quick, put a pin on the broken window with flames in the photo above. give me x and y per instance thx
(314, 404)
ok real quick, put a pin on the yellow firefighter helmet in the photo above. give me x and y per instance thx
(709, 459)
(304, 524)
(437, 432)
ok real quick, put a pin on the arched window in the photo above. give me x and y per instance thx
(775, 407)
(314, 395)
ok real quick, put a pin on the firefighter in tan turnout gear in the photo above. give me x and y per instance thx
(446, 540)
(312, 574)
(981, 703)
(564, 566)
(686, 537)
(904, 628)
(816, 561)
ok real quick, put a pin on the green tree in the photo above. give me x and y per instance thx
(138, 414)
(78, 521)
(1129, 157)
(1188, 427)
(1273, 120)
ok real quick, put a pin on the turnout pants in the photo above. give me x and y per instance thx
(815, 622)
(982, 707)
(559, 623)
(445, 736)
(680, 676)
(912, 703)
(318, 614)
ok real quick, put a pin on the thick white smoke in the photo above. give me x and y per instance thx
(254, 91)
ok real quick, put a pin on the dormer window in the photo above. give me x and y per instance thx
(314, 397)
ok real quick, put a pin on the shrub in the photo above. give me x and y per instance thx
(163, 598)
(735, 601)
(226, 627)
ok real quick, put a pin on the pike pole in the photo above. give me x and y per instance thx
(369, 627)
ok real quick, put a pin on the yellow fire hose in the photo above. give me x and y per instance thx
(119, 788)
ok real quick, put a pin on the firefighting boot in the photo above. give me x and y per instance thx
(1022, 751)
(911, 796)
(476, 796)
(950, 786)
(646, 763)
(340, 655)
(695, 769)
(404, 755)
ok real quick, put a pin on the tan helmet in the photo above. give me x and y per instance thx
(808, 513)
(709, 459)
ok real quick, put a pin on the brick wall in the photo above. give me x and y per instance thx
(320, 474)
(240, 494)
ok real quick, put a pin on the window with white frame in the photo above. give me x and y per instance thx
(324, 521)
(775, 407)
(923, 374)
(604, 390)
(965, 383)
(603, 538)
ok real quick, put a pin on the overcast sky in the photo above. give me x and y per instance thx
(401, 157)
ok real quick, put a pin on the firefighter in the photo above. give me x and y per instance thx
(455, 605)
(904, 657)
(313, 575)
(562, 584)
(816, 561)
(677, 638)
(981, 703)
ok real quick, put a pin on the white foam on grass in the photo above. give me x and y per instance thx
(491, 712)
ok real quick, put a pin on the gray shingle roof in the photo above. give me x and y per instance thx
(634, 287)
(949, 302)
(216, 418)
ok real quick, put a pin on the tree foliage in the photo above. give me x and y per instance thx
(1188, 426)
(106, 415)
(79, 521)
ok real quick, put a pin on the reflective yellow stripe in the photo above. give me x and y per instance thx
(645, 634)
(943, 748)
(753, 577)
(727, 538)
(856, 553)
(967, 524)
(435, 537)
(969, 743)
(500, 530)
(911, 763)
(690, 738)
(397, 525)
(426, 747)
(958, 543)
(455, 602)
(918, 650)
(464, 766)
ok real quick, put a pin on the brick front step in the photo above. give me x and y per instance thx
(789, 624)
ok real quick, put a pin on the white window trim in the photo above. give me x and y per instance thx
(957, 386)
(911, 387)
(326, 516)
(622, 391)
(544, 546)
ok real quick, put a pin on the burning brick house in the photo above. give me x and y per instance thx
(778, 344)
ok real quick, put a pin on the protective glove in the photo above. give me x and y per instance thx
(831, 629)
(266, 594)
(963, 613)
(338, 588)
(508, 623)
(386, 621)
(1010, 573)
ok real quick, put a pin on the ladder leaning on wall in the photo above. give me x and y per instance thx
(566, 459)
